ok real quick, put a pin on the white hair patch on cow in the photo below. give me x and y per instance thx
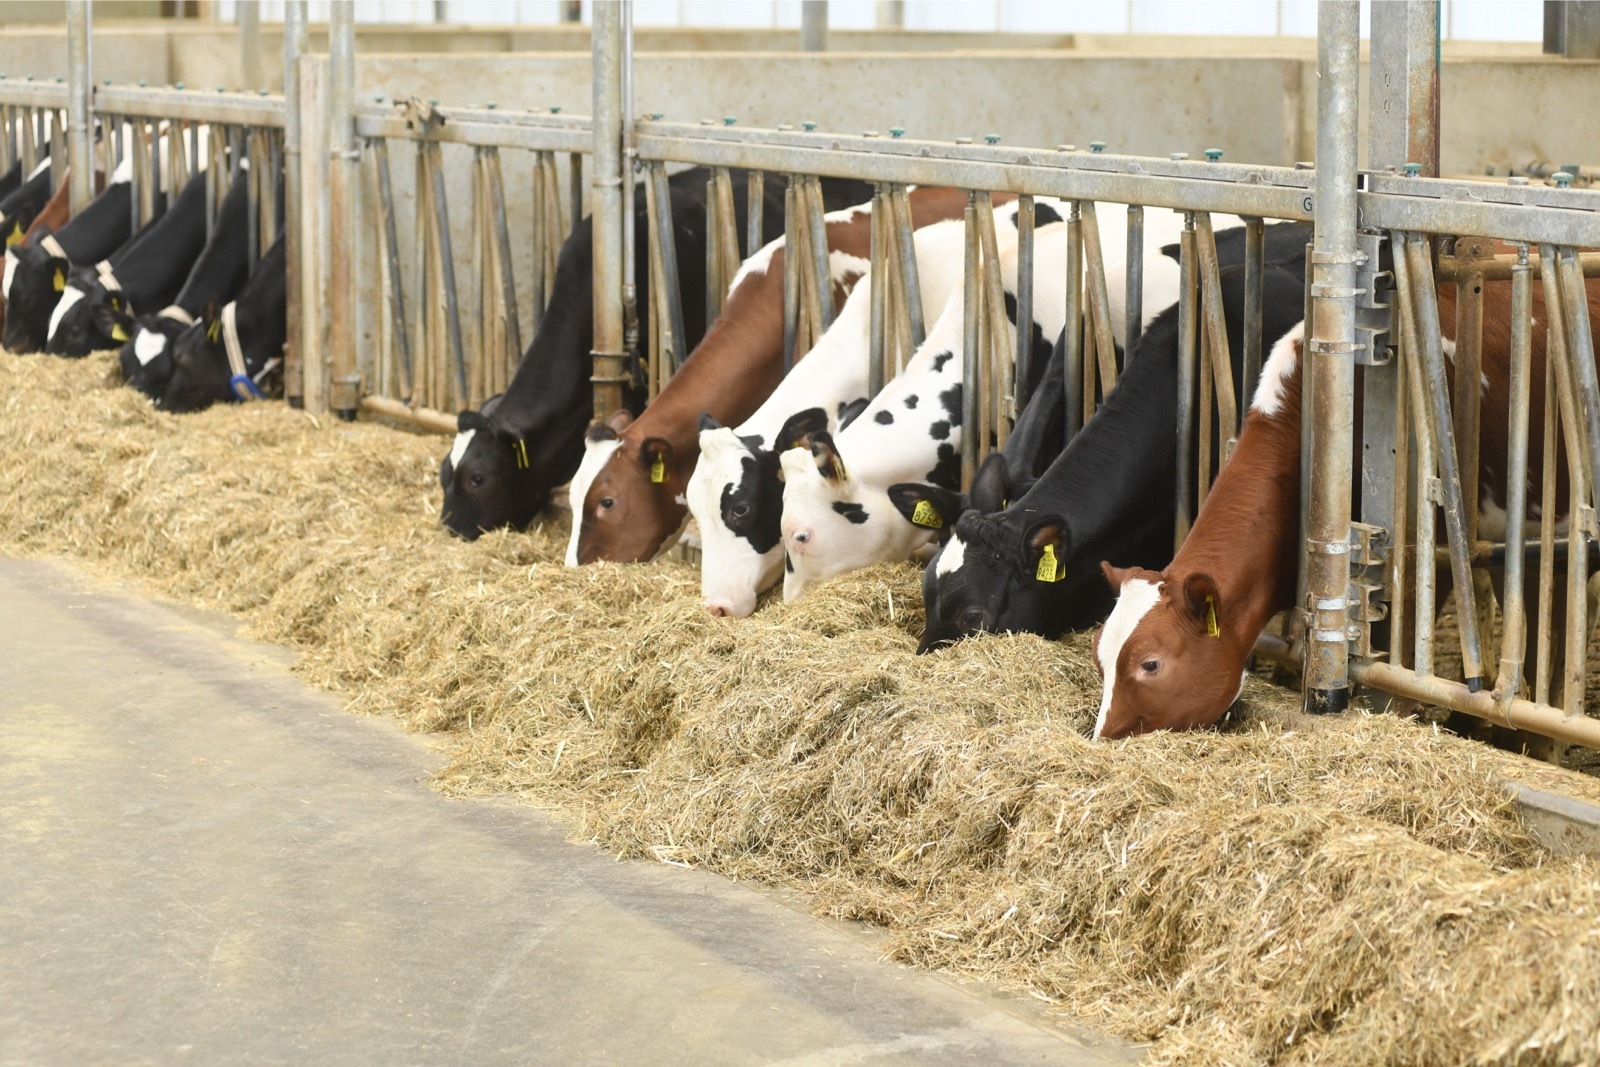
(148, 344)
(596, 454)
(1279, 369)
(44, 165)
(951, 559)
(11, 272)
(69, 296)
(841, 265)
(459, 449)
(761, 260)
(124, 171)
(1138, 596)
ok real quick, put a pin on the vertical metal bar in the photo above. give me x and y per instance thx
(1331, 354)
(1513, 642)
(610, 361)
(391, 251)
(879, 282)
(1188, 332)
(1133, 321)
(910, 271)
(426, 391)
(1024, 363)
(443, 246)
(971, 296)
(660, 346)
(253, 199)
(1468, 393)
(629, 173)
(999, 359)
(540, 238)
(755, 195)
(716, 286)
(791, 275)
(1072, 366)
(1098, 299)
(1580, 343)
(294, 43)
(250, 43)
(1216, 326)
(575, 186)
(345, 397)
(814, 25)
(1426, 455)
(728, 240)
(1255, 247)
(812, 189)
(670, 297)
(482, 259)
(1547, 515)
(80, 91)
(502, 234)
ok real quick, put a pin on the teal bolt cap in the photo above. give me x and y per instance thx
(992, 138)
(1562, 179)
(729, 120)
(555, 109)
(1213, 154)
(1097, 146)
(1413, 169)
(141, 82)
(897, 131)
(491, 105)
(179, 85)
(655, 116)
(58, 81)
(377, 100)
(261, 92)
(106, 82)
(807, 126)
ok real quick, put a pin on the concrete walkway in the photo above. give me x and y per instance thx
(204, 861)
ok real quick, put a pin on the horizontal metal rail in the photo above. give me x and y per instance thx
(26, 92)
(232, 108)
(539, 131)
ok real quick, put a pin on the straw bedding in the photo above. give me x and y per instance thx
(1279, 891)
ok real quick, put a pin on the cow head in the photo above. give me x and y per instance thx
(200, 370)
(736, 497)
(1168, 659)
(833, 524)
(491, 478)
(89, 317)
(628, 499)
(146, 360)
(34, 282)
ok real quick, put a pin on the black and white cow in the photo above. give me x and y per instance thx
(228, 355)
(216, 278)
(509, 456)
(1035, 565)
(11, 180)
(97, 308)
(36, 272)
(20, 203)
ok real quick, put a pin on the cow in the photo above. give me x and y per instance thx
(735, 493)
(510, 455)
(55, 213)
(21, 204)
(11, 179)
(1114, 485)
(215, 278)
(97, 307)
(1173, 650)
(37, 271)
(227, 356)
(628, 499)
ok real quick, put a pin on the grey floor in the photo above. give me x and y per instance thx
(202, 860)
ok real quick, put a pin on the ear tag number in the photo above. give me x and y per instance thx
(658, 470)
(924, 514)
(214, 330)
(1212, 630)
(1050, 569)
(521, 450)
(60, 281)
(118, 333)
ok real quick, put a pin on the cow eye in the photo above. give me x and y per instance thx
(739, 511)
(606, 503)
(1150, 666)
(971, 621)
(476, 480)
(803, 537)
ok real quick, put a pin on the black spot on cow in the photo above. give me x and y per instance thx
(947, 472)
(753, 508)
(940, 430)
(754, 441)
(940, 360)
(911, 401)
(849, 409)
(1039, 350)
(1044, 214)
(951, 401)
(884, 417)
(855, 512)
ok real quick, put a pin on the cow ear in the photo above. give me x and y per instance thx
(1045, 545)
(655, 453)
(829, 463)
(1116, 577)
(618, 421)
(708, 423)
(800, 427)
(471, 420)
(1203, 604)
(929, 506)
(991, 487)
(600, 431)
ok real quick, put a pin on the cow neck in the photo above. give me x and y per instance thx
(101, 227)
(221, 268)
(551, 384)
(154, 267)
(1254, 502)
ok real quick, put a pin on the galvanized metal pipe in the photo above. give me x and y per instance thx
(1216, 325)
(80, 92)
(670, 296)
(1255, 248)
(818, 241)
(294, 44)
(1098, 299)
(250, 43)
(1024, 362)
(716, 285)
(1513, 644)
(1426, 455)
(814, 25)
(1188, 333)
(878, 280)
(792, 229)
(391, 250)
(1520, 714)
(910, 272)
(630, 171)
(755, 189)
(1133, 326)
(610, 361)
(1072, 365)
(345, 395)
(502, 240)
(971, 337)
(447, 260)
(1331, 355)
(1580, 343)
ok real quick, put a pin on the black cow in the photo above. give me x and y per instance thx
(508, 456)
(216, 278)
(21, 202)
(96, 310)
(1110, 494)
(42, 264)
(202, 371)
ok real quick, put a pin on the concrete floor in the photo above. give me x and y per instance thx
(202, 860)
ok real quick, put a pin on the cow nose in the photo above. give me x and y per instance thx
(718, 609)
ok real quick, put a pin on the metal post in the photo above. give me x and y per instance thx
(294, 43)
(1581, 37)
(1331, 354)
(610, 361)
(1188, 334)
(1072, 345)
(1133, 288)
(345, 397)
(971, 337)
(1024, 364)
(890, 14)
(80, 86)
(814, 25)
(1514, 628)
(250, 44)
(630, 293)
(1404, 86)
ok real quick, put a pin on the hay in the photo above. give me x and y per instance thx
(1282, 890)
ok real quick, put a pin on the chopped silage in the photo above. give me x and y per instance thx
(1282, 890)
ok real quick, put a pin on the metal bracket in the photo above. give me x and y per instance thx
(1369, 545)
(1375, 308)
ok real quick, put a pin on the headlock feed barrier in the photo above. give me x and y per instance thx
(1385, 240)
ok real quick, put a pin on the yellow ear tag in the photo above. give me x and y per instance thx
(522, 454)
(658, 470)
(15, 236)
(924, 514)
(118, 333)
(1212, 630)
(60, 281)
(214, 330)
(1049, 569)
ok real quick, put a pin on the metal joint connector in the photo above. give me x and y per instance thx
(1329, 548)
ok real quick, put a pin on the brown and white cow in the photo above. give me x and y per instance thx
(1173, 650)
(628, 497)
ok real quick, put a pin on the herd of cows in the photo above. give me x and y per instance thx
(195, 322)
(804, 476)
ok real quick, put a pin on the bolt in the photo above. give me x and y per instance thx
(706, 122)
(1570, 168)
(991, 138)
(807, 126)
(1516, 179)
(1213, 154)
(1301, 164)
(58, 81)
(377, 100)
(655, 116)
(1562, 179)
(555, 109)
(179, 85)
(729, 120)
(1413, 169)
(141, 82)
(1178, 155)
(433, 101)
(1066, 148)
(869, 133)
(963, 140)
(1097, 146)
(897, 131)
(785, 126)
(261, 92)
(106, 82)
